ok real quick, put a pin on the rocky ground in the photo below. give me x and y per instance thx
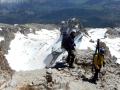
(113, 32)
(67, 79)
(57, 78)
(5, 71)
(7, 31)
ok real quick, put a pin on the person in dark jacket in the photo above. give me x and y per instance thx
(70, 47)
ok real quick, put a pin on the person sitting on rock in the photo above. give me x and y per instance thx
(98, 62)
(70, 48)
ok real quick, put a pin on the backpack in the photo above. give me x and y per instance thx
(98, 60)
(64, 40)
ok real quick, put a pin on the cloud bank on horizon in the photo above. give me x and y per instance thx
(11, 1)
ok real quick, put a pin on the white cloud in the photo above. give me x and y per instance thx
(11, 1)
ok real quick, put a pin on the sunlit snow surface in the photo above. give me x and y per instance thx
(1, 38)
(94, 34)
(29, 52)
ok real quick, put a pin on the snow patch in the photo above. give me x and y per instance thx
(34, 51)
(29, 52)
(114, 47)
(1, 38)
(99, 33)
(0, 29)
(94, 34)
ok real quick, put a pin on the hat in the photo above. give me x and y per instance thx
(102, 50)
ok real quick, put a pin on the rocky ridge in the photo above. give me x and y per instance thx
(62, 78)
(68, 79)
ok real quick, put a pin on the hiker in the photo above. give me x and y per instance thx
(70, 48)
(96, 51)
(98, 62)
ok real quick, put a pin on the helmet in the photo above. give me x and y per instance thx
(73, 31)
(102, 50)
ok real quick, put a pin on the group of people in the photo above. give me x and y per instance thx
(98, 58)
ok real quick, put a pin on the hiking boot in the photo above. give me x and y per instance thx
(71, 66)
(67, 62)
(92, 81)
(97, 79)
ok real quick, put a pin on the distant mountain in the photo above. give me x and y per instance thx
(94, 13)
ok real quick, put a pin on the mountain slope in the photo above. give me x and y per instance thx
(34, 46)
(68, 79)
(27, 52)
(34, 11)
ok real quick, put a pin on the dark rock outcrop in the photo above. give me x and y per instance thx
(113, 33)
(5, 71)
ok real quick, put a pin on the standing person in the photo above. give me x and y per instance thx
(96, 51)
(98, 62)
(70, 47)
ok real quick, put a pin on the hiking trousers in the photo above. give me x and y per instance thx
(71, 57)
(97, 71)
